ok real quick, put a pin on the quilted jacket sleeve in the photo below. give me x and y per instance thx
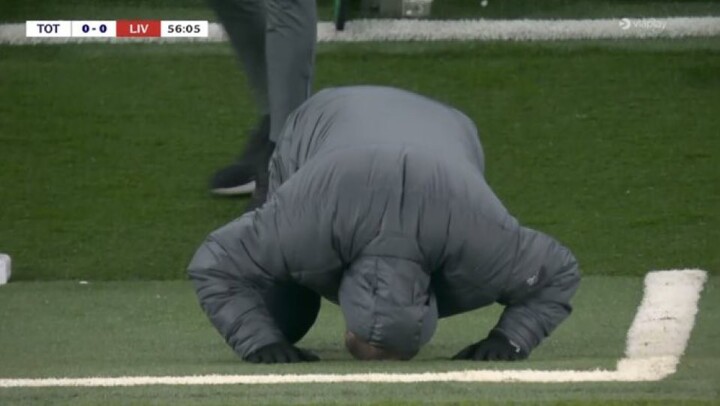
(537, 299)
(230, 271)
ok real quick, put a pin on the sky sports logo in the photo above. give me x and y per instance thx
(642, 24)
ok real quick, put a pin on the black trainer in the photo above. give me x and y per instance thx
(240, 177)
(233, 180)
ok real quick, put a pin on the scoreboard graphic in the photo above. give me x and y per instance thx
(117, 29)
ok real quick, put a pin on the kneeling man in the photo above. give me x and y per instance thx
(378, 203)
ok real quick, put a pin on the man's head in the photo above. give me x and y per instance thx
(390, 311)
(364, 351)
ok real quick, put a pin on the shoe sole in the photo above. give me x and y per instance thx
(244, 189)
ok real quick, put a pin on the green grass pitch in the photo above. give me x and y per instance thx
(105, 151)
(609, 146)
(64, 329)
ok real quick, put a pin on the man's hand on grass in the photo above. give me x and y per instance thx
(496, 347)
(280, 353)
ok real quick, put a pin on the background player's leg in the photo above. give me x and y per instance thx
(294, 309)
(290, 48)
(245, 23)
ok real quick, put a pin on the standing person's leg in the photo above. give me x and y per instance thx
(290, 36)
(290, 49)
(245, 23)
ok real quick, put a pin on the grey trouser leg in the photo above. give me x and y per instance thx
(244, 21)
(290, 47)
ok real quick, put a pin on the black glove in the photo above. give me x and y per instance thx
(278, 353)
(496, 347)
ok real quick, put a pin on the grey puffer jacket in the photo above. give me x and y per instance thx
(378, 202)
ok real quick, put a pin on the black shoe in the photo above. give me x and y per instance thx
(233, 180)
(239, 178)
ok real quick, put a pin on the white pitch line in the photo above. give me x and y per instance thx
(659, 334)
(656, 340)
(446, 30)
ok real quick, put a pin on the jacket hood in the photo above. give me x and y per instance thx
(387, 302)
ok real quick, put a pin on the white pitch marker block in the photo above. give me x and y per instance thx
(656, 340)
(5, 268)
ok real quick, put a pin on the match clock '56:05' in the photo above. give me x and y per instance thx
(188, 28)
(184, 29)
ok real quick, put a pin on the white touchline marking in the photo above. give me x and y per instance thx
(659, 334)
(656, 340)
(446, 30)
